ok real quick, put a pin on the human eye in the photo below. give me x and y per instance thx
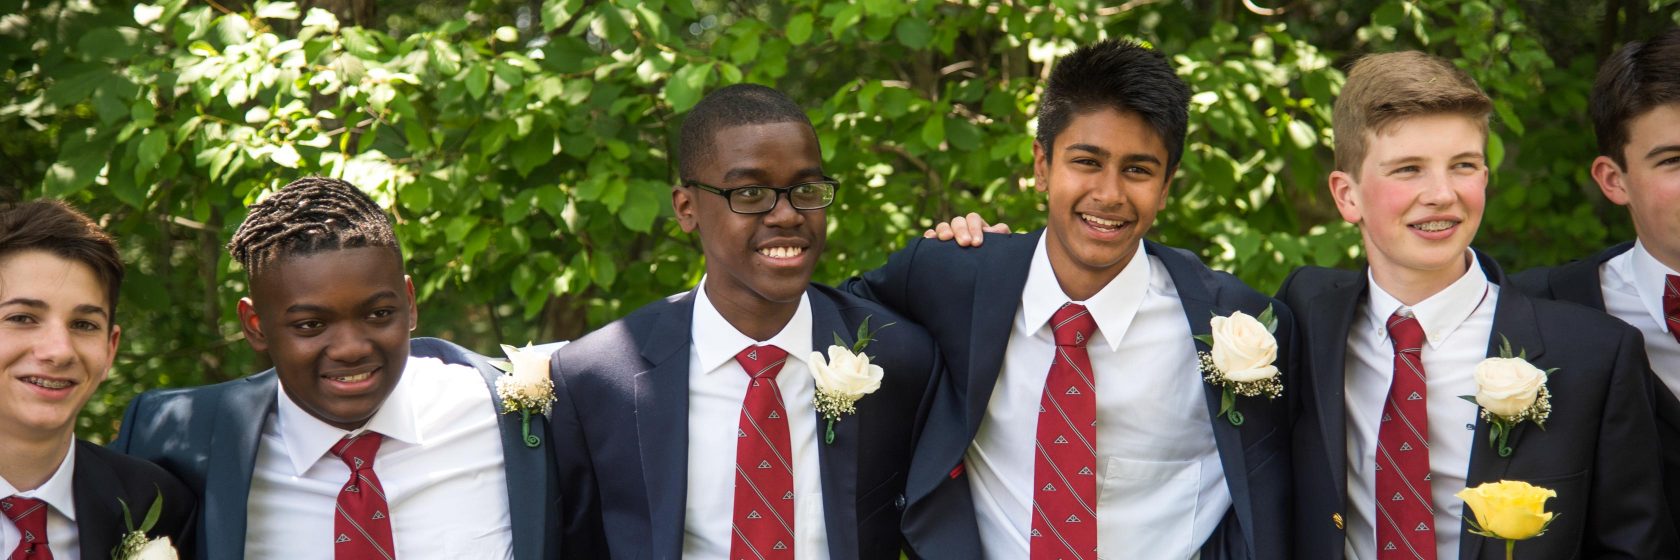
(309, 325)
(1139, 170)
(1405, 170)
(86, 325)
(749, 194)
(382, 314)
(21, 319)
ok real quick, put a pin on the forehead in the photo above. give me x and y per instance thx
(1423, 136)
(1659, 125)
(1114, 130)
(337, 275)
(764, 152)
(41, 275)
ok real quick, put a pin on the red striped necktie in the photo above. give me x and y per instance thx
(30, 517)
(1405, 508)
(1064, 524)
(763, 508)
(1671, 304)
(362, 528)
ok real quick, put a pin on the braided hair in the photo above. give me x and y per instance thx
(308, 216)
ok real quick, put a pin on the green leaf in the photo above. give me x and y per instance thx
(152, 148)
(933, 132)
(913, 32)
(71, 175)
(478, 80)
(603, 271)
(844, 20)
(745, 47)
(641, 205)
(799, 28)
(533, 151)
(557, 12)
(153, 513)
(685, 86)
(1495, 150)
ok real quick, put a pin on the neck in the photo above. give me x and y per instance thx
(27, 463)
(1079, 282)
(1411, 287)
(757, 318)
(1672, 261)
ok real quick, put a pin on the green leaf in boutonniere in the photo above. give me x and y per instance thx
(844, 376)
(526, 387)
(134, 544)
(1241, 359)
(1510, 391)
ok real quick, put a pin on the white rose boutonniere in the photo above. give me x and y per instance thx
(1509, 391)
(844, 376)
(1242, 359)
(134, 544)
(526, 387)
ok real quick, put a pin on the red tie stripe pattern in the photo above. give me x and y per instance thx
(30, 517)
(1405, 509)
(1671, 304)
(1064, 525)
(362, 529)
(763, 522)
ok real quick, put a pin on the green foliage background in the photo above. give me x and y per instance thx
(523, 145)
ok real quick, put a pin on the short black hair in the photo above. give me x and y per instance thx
(1119, 75)
(736, 105)
(1639, 77)
(308, 216)
(64, 232)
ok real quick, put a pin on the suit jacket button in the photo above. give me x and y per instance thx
(1337, 518)
(899, 502)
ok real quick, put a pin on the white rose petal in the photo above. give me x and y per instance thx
(845, 373)
(527, 365)
(1243, 349)
(156, 549)
(1507, 386)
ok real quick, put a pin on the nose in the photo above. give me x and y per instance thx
(349, 344)
(783, 215)
(1437, 190)
(1108, 190)
(52, 346)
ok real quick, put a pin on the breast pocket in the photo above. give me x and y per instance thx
(1147, 509)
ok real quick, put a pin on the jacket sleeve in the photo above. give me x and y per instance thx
(1627, 518)
(890, 284)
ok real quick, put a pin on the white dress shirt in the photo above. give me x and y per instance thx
(63, 539)
(1633, 292)
(1162, 490)
(1457, 324)
(716, 388)
(441, 467)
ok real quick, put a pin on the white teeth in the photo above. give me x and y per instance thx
(1093, 220)
(1437, 225)
(353, 378)
(48, 383)
(781, 252)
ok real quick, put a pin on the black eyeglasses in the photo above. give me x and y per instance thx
(759, 199)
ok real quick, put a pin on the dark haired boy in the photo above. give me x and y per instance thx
(688, 428)
(1141, 459)
(360, 443)
(1636, 114)
(1385, 442)
(61, 497)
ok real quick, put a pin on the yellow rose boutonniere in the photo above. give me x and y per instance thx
(1509, 510)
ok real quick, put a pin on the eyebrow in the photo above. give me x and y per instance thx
(312, 308)
(1660, 150)
(1416, 159)
(1101, 152)
(83, 309)
(758, 174)
(26, 302)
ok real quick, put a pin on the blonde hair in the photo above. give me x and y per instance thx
(1384, 89)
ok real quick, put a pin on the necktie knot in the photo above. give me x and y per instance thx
(30, 517)
(1671, 296)
(762, 361)
(358, 451)
(1405, 332)
(1073, 325)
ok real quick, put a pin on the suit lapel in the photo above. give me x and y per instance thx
(1197, 296)
(997, 294)
(99, 525)
(662, 424)
(838, 459)
(233, 456)
(1332, 319)
(527, 479)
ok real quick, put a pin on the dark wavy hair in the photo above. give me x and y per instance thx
(64, 232)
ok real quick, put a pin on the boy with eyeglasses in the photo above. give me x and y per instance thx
(692, 428)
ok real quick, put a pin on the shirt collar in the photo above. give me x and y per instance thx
(1112, 307)
(57, 491)
(307, 438)
(1649, 280)
(717, 342)
(1439, 314)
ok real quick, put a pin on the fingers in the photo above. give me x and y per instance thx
(999, 227)
(942, 232)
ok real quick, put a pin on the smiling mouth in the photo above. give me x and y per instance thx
(54, 384)
(352, 378)
(1102, 224)
(1434, 225)
(782, 252)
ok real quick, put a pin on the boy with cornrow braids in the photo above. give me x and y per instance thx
(337, 451)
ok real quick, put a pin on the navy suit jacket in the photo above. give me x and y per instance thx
(102, 477)
(620, 426)
(208, 436)
(1578, 282)
(1594, 450)
(967, 298)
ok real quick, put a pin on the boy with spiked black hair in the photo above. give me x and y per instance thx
(335, 450)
